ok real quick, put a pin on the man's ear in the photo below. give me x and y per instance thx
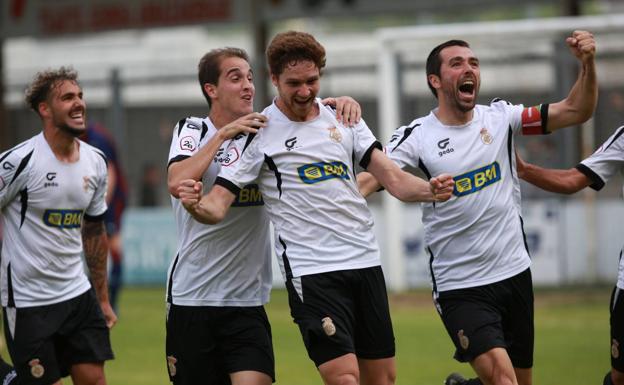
(435, 81)
(274, 79)
(43, 109)
(211, 90)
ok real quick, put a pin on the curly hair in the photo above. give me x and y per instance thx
(44, 82)
(209, 67)
(290, 47)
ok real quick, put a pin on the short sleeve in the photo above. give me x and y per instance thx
(186, 139)
(364, 142)
(14, 169)
(603, 164)
(403, 147)
(244, 165)
(97, 206)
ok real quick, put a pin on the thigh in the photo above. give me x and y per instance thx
(322, 306)
(192, 353)
(244, 339)
(472, 320)
(518, 324)
(617, 328)
(374, 337)
(85, 338)
(32, 345)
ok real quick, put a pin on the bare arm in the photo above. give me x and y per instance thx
(210, 208)
(367, 184)
(111, 182)
(405, 186)
(348, 110)
(95, 246)
(195, 166)
(559, 181)
(581, 102)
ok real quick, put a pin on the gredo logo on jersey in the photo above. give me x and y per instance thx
(249, 196)
(318, 172)
(476, 180)
(63, 219)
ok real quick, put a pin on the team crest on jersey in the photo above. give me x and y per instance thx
(36, 369)
(87, 183)
(188, 143)
(486, 137)
(615, 349)
(226, 158)
(335, 135)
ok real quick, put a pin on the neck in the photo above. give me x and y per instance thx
(453, 116)
(220, 118)
(303, 116)
(64, 146)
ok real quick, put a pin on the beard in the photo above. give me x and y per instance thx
(75, 132)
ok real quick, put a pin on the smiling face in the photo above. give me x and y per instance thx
(234, 92)
(297, 86)
(65, 108)
(460, 78)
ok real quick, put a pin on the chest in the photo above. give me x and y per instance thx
(59, 186)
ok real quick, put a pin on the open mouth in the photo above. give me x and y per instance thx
(467, 87)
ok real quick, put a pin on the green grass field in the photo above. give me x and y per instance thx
(572, 340)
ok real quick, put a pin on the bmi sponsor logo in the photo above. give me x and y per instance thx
(476, 180)
(63, 219)
(249, 196)
(318, 172)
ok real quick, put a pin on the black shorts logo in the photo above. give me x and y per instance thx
(36, 369)
(464, 342)
(615, 349)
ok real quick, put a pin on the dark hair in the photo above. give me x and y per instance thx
(209, 67)
(434, 62)
(292, 46)
(44, 82)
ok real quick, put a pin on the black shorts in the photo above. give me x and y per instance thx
(616, 308)
(342, 312)
(496, 315)
(49, 339)
(205, 343)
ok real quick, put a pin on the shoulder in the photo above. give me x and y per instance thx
(95, 154)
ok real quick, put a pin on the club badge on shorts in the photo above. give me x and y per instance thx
(335, 135)
(36, 369)
(328, 326)
(615, 349)
(171, 365)
(486, 137)
(463, 340)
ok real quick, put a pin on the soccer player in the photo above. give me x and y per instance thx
(52, 189)
(116, 197)
(303, 161)
(594, 172)
(217, 328)
(482, 285)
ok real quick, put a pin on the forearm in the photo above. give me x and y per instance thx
(195, 166)
(367, 184)
(557, 181)
(95, 244)
(408, 188)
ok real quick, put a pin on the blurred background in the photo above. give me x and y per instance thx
(137, 61)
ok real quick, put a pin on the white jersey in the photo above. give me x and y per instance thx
(602, 166)
(476, 238)
(305, 171)
(43, 203)
(227, 264)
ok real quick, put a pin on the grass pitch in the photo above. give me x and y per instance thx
(571, 344)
